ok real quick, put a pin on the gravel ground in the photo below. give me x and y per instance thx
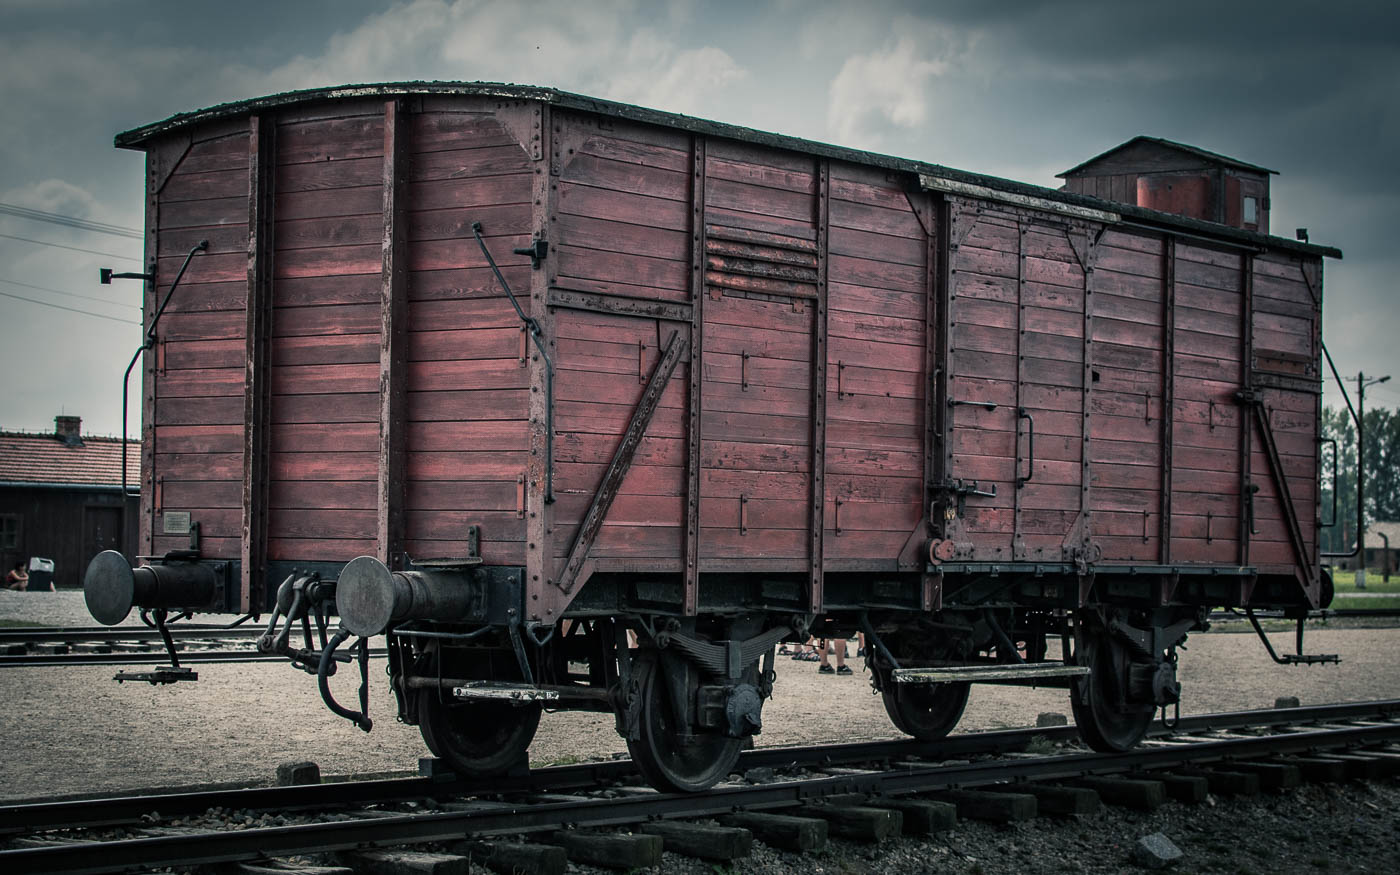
(74, 731)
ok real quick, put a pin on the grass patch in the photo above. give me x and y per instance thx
(1345, 582)
(1352, 603)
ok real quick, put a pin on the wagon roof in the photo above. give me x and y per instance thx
(1213, 157)
(137, 138)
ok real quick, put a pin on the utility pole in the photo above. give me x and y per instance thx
(1361, 384)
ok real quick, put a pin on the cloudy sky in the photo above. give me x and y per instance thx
(1015, 88)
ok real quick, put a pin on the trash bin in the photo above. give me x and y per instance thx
(40, 574)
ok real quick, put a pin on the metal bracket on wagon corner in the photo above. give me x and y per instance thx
(537, 250)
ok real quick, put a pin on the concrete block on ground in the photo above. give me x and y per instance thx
(1050, 718)
(515, 858)
(292, 774)
(1156, 851)
(610, 850)
(858, 822)
(990, 806)
(921, 816)
(783, 831)
(700, 840)
(1287, 702)
(404, 863)
(1143, 795)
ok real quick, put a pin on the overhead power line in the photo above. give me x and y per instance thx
(70, 221)
(69, 309)
(69, 294)
(73, 248)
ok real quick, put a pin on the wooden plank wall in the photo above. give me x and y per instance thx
(1125, 443)
(1286, 295)
(197, 406)
(1051, 375)
(324, 432)
(761, 215)
(622, 228)
(465, 408)
(1165, 355)
(467, 379)
(1207, 345)
(1017, 340)
(875, 383)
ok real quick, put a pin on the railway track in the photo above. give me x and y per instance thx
(816, 783)
(131, 645)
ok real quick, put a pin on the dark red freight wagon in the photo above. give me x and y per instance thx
(506, 373)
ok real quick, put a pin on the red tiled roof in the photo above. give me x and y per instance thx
(43, 458)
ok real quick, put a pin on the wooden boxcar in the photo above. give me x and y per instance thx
(742, 388)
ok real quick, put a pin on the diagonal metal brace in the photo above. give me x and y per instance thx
(621, 460)
(1285, 496)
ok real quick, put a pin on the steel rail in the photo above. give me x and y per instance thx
(253, 844)
(120, 810)
(152, 657)
(75, 634)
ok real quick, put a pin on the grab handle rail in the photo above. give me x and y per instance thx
(1021, 413)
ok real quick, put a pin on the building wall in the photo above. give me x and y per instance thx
(68, 526)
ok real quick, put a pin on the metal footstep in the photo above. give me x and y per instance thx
(985, 673)
(1299, 658)
(161, 675)
(506, 691)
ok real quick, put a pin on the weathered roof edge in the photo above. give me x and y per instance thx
(1171, 144)
(137, 137)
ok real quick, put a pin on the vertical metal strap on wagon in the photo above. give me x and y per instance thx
(393, 339)
(1164, 527)
(695, 401)
(817, 554)
(257, 387)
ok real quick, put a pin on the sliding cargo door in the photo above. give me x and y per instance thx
(1015, 354)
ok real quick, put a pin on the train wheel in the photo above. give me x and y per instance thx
(672, 756)
(1107, 721)
(926, 711)
(477, 738)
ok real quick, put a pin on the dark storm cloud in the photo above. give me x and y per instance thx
(1016, 89)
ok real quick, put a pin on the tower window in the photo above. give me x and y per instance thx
(1251, 211)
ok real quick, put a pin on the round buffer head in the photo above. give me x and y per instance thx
(364, 596)
(109, 587)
